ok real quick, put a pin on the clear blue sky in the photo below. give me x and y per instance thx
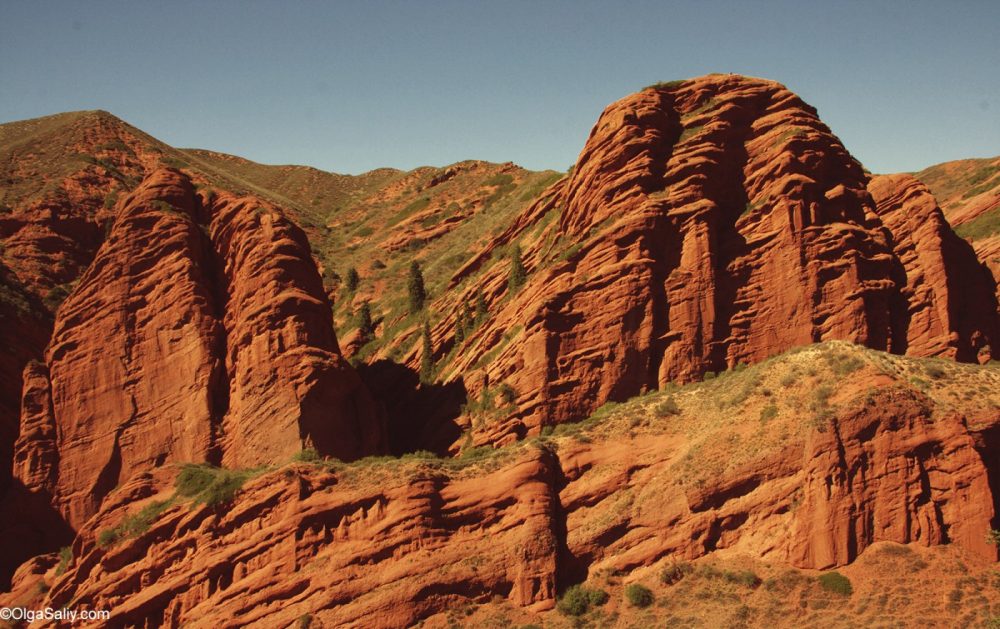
(351, 86)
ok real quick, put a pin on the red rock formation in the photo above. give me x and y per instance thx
(968, 191)
(289, 386)
(707, 223)
(950, 295)
(182, 346)
(60, 175)
(131, 359)
(379, 553)
(386, 544)
(891, 471)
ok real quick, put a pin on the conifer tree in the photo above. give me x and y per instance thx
(480, 305)
(460, 328)
(415, 288)
(517, 275)
(366, 328)
(353, 279)
(426, 359)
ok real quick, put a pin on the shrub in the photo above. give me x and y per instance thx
(574, 601)
(305, 620)
(107, 537)
(210, 485)
(675, 572)
(308, 455)
(843, 364)
(746, 578)
(993, 537)
(194, 479)
(507, 393)
(709, 375)
(836, 583)
(934, 371)
(639, 595)
(366, 327)
(663, 85)
(768, 413)
(481, 310)
(500, 179)
(133, 525)
(668, 407)
(419, 454)
(597, 597)
(65, 556)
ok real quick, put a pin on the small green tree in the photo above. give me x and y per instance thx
(517, 275)
(460, 327)
(366, 328)
(353, 279)
(415, 288)
(426, 359)
(480, 305)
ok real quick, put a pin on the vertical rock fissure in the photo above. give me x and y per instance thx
(220, 382)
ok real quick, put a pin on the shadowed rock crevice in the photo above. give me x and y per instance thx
(419, 416)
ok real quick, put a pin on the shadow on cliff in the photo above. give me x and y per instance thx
(29, 527)
(988, 445)
(419, 416)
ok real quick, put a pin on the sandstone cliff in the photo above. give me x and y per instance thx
(199, 333)
(707, 223)
(968, 191)
(668, 476)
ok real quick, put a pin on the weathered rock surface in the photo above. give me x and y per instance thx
(707, 223)
(299, 540)
(968, 191)
(60, 176)
(288, 385)
(951, 296)
(200, 333)
(387, 543)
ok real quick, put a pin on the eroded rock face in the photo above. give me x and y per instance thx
(374, 553)
(199, 333)
(289, 386)
(387, 546)
(950, 295)
(891, 472)
(706, 224)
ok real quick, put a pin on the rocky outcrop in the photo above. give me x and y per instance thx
(288, 385)
(891, 471)
(950, 296)
(389, 542)
(61, 175)
(371, 548)
(707, 223)
(199, 333)
(968, 192)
